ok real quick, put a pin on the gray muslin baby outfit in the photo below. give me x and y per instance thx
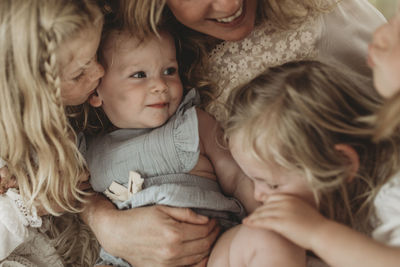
(163, 157)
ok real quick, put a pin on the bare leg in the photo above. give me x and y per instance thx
(220, 253)
(242, 246)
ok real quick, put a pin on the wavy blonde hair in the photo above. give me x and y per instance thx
(294, 115)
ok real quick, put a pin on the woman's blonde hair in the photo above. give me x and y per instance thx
(36, 140)
(289, 13)
(295, 114)
(145, 16)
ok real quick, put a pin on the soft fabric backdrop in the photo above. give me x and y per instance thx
(387, 7)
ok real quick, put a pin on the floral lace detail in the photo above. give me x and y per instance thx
(235, 63)
(32, 219)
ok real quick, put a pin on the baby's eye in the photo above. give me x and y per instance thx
(139, 74)
(170, 71)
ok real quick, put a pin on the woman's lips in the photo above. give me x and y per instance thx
(234, 19)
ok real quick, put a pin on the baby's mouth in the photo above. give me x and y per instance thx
(159, 105)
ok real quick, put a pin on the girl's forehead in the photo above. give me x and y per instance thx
(77, 52)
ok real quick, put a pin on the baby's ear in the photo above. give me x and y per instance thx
(95, 100)
(352, 155)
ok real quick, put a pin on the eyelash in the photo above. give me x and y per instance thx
(142, 73)
(172, 69)
(169, 71)
(77, 78)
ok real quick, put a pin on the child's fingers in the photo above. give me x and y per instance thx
(6, 181)
(12, 183)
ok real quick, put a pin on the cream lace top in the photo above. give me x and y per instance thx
(340, 36)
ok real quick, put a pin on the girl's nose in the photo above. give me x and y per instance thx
(97, 72)
(259, 193)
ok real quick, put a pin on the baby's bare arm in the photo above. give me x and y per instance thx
(229, 175)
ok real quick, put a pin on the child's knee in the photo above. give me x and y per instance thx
(258, 246)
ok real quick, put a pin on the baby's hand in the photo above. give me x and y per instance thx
(289, 216)
(6, 181)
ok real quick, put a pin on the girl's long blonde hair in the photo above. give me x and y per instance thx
(36, 139)
(294, 115)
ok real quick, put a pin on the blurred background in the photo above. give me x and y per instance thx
(387, 7)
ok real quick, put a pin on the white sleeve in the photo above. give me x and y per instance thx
(2, 163)
(387, 211)
(13, 226)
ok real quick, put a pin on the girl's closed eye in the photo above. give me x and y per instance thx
(79, 76)
(170, 71)
(139, 75)
(273, 186)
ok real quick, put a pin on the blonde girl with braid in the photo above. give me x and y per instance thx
(47, 62)
(302, 133)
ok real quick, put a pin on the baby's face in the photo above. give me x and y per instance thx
(141, 87)
(384, 57)
(268, 179)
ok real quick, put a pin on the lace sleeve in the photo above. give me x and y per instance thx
(234, 64)
(30, 215)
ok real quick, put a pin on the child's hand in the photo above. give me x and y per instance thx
(289, 216)
(6, 181)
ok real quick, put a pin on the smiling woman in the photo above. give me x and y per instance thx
(226, 20)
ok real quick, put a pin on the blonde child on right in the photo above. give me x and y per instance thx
(296, 132)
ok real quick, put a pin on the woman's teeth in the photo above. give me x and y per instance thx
(233, 17)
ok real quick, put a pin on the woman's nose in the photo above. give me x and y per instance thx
(225, 6)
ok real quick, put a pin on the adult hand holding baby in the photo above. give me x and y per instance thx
(174, 236)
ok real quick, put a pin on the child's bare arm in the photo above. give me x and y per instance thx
(229, 175)
(336, 244)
